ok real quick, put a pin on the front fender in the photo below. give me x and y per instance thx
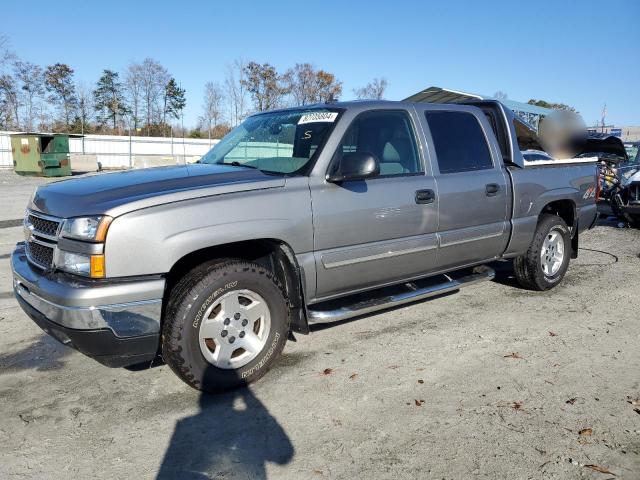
(152, 240)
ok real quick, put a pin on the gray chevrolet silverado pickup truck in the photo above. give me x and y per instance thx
(297, 216)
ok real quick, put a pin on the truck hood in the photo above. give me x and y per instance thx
(121, 192)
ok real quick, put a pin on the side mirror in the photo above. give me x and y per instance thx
(356, 166)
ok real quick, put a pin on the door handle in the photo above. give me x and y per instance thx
(425, 196)
(492, 189)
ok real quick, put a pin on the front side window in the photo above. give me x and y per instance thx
(459, 142)
(388, 136)
(278, 142)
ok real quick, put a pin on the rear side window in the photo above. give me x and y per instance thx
(459, 142)
(527, 136)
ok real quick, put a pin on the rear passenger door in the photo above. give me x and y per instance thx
(472, 186)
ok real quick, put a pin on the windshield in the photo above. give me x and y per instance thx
(279, 142)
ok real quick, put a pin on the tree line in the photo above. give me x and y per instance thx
(146, 99)
(250, 87)
(500, 95)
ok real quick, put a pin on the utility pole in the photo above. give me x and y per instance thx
(184, 148)
(130, 147)
(184, 151)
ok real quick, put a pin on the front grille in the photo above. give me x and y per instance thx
(41, 234)
(40, 254)
(43, 226)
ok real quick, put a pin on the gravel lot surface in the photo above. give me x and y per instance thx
(491, 382)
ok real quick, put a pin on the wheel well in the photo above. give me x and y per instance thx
(274, 254)
(565, 209)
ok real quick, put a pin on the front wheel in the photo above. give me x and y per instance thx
(547, 259)
(226, 323)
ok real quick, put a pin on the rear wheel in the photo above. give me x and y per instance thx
(226, 323)
(547, 259)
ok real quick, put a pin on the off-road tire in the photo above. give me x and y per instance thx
(201, 287)
(528, 267)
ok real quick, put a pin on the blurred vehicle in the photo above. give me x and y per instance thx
(612, 161)
(626, 200)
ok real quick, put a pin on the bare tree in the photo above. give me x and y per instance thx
(31, 82)
(9, 102)
(212, 108)
(328, 87)
(301, 80)
(236, 92)
(43, 116)
(133, 85)
(308, 85)
(154, 80)
(266, 86)
(6, 54)
(85, 105)
(500, 95)
(373, 90)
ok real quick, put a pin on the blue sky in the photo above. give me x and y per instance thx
(583, 53)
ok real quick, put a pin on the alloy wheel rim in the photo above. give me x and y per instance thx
(234, 329)
(552, 254)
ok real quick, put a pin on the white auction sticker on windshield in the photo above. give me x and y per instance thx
(318, 117)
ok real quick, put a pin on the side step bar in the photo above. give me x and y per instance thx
(390, 297)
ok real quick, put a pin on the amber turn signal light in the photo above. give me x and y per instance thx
(97, 266)
(101, 232)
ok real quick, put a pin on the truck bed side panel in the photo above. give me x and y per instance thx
(534, 187)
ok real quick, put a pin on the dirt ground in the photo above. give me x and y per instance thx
(491, 382)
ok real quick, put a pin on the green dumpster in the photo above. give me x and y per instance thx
(41, 154)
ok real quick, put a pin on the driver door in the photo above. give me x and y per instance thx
(379, 230)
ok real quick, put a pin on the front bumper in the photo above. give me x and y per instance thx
(116, 323)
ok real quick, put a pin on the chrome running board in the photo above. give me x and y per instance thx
(393, 296)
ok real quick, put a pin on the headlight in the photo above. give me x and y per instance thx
(81, 264)
(93, 229)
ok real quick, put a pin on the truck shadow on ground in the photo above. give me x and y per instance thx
(232, 436)
(505, 274)
(43, 354)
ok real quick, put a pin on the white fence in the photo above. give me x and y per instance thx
(113, 151)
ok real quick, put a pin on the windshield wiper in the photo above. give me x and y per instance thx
(238, 164)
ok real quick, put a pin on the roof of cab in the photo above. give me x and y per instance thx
(362, 105)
